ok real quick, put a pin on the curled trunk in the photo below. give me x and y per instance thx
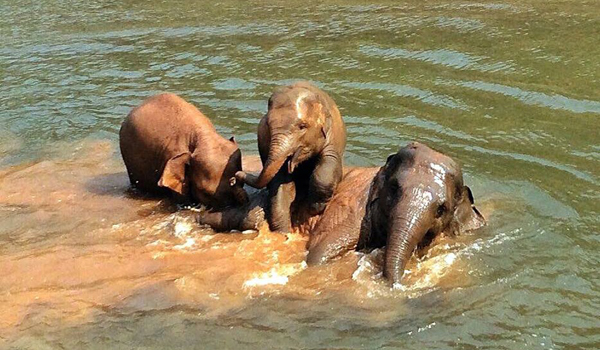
(280, 149)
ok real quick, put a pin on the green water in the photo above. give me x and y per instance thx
(509, 89)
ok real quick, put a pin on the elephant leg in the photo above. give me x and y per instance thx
(323, 181)
(220, 221)
(282, 193)
(246, 217)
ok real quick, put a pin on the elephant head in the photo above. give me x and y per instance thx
(296, 128)
(207, 175)
(419, 194)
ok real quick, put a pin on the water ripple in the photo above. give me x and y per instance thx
(554, 101)
(408, 91)
(233, 84)
(444, 57)
(226, 30)
(433, 126)
(464, 25)
(532, 159)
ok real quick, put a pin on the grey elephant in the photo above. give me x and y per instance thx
(417, 195)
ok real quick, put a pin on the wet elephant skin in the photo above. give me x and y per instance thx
(301, 141)
(168, 145)
(418, 194)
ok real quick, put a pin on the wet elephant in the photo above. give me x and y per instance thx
(417, 195)
(301, 141)
(168, 145)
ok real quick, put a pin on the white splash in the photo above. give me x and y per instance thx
(435, 268)
(449, 259)
(182, 229)
(266, 278)
(157, 243)
(278, 275)
(398, 286)
(189, 243)
(364, 265)
(481, 244)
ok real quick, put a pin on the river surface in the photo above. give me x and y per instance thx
(511, 90)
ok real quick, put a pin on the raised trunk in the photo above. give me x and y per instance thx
(280, 149)
(406, 231)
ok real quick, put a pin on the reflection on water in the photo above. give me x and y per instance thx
(509, 89)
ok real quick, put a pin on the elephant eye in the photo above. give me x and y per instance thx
(303, 125)
(441, 210)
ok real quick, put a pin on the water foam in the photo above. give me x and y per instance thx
(277, 275)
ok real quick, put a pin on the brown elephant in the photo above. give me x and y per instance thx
(303, 128)
(168, 144)
(417, 195)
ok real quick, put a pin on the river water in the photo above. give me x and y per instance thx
(510, 89)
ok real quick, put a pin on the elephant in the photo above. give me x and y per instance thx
(417, 195)
(303, 128)
(169, 146)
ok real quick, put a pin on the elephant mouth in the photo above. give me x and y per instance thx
(425, 242)
(294, 160)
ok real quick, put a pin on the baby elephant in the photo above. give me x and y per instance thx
(417, 195)
(168, 144)
(301, 141)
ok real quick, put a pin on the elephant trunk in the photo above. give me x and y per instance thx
(280, 149)
(240, 195)
(406, 231)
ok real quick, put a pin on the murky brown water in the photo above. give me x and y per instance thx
(509, 89)
(91, 248)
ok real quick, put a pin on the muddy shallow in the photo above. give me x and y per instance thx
(509, 89)
(84, 247)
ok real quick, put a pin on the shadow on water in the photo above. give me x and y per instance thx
(117, 185)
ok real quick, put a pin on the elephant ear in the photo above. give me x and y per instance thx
(466, 214)
(379, 179)
(173, 176)
(377, 184)
(323, 118)
(371, 223)
(326, 127)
